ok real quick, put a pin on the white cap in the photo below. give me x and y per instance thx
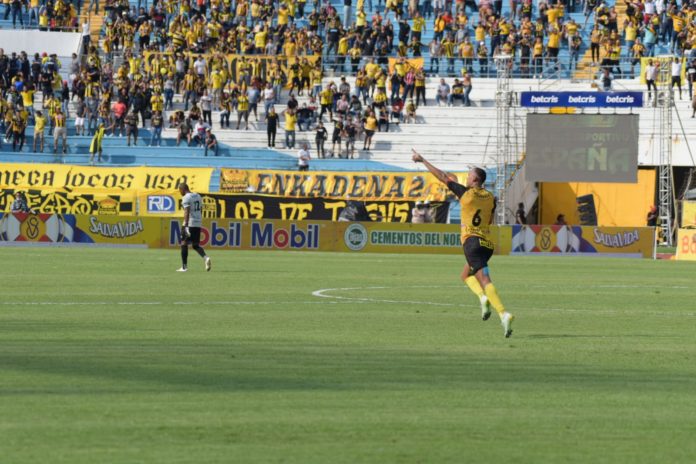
(418, 203)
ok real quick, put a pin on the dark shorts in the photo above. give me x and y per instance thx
(194, 237)
(477, 252)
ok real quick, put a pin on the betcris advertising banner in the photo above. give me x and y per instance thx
(582, 99)
(44, 228)
(629, 242)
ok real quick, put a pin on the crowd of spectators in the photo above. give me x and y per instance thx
(47, 15)
(281, 51)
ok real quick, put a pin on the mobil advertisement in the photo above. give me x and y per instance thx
(259, 235)
(629, 242)
(44, 228)
(333, 236)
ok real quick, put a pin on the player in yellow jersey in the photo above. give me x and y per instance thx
(478, 205)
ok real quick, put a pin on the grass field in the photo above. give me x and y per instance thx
(108, 356)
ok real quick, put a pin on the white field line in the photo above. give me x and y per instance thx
(158, 303)
(322, 293)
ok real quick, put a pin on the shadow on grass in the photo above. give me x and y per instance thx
(255, 366)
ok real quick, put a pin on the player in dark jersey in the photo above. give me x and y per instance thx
(477, 207)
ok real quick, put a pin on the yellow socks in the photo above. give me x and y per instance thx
(474, 285)
(494, 299)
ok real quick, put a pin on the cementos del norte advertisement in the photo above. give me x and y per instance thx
(351, 237)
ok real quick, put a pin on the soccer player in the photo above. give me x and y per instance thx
(477, 205)
(193, 220)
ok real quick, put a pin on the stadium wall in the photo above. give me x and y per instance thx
(231, 234)
(63, 44)
(618, 205)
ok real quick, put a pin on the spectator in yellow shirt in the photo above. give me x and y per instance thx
(290, 124)
(39, 126)
(370, 126)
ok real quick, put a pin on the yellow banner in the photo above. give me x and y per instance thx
(112, 230)
(332, 236)
(234, 65)
(688, 214)
(661, 61)
(84, 229)
(250, 234)
(608, 241)
(686, 244)
(64, 202)
(101, 179)
(362, 186)
(414, 63)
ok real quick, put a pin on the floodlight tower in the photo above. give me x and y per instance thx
(504, 155)
(664, 102)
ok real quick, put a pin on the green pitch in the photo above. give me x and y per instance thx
(109, 356)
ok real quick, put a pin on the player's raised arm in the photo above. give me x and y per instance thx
(441, 175)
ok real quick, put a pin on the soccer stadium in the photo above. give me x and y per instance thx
(347, 231)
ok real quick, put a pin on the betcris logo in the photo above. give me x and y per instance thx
(270, 236)
(160, 204)
(217, 236)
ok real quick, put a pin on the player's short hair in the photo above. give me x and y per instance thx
(184, 186)
(480, 174)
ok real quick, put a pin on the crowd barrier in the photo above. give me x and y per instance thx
(377, 237)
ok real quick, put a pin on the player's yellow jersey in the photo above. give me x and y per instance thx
(477, 207)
